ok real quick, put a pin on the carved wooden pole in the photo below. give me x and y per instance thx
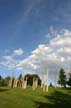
(35, 83)
(41, 83)
(15, 82)
(24, 83)
(10, 82)
(45, 82)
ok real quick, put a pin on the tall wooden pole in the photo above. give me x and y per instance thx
(45, 82)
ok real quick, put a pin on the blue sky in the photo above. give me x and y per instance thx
(27, 25)
(23, 23)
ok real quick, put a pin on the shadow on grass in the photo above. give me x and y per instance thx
(4, 89)
(56, 100)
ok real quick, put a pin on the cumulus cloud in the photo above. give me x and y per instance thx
(61, 41)
(39, 60)
(18, 51)
(8, 62)
(50, 57)
(8, 58)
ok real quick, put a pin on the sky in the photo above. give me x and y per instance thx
(35, 36)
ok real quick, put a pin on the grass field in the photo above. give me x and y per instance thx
(19, 98)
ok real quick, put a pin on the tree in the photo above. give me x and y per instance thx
(62, 78)
(69, 81)
(30, 79)
(1, 80)
(51, 85)
(4, 81)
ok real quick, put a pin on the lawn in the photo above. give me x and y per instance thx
(19, 98)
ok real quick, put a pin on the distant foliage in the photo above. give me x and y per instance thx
(62, 78)
(51, 85)
(4, 81)
(69, 80)
(1, 80)
(30, 79)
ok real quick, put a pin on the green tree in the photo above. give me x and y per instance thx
(1, 80)
(69, 81)
(51, 85)
(62, 78)
(30, 79)
(6, 80)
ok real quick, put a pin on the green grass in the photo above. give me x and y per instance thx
(19, 98)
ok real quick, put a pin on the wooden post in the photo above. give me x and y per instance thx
(15, 82)
(35, 83)
(24, 83)
(41, 83)
(45, 82)
(10, 82)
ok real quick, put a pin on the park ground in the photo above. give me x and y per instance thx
(19, 98)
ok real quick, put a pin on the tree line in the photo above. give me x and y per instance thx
(62, 80)
(5, 81)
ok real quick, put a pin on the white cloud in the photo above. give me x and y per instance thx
(8, 58)
(18, 51)
(8, 62)
(62, 59)
(38, 59)
(63, 41)
(50, 57)
(65, 50)
(67, 32)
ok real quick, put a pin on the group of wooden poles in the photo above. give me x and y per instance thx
(44, 83)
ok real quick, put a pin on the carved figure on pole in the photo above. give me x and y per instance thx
(45, 82)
